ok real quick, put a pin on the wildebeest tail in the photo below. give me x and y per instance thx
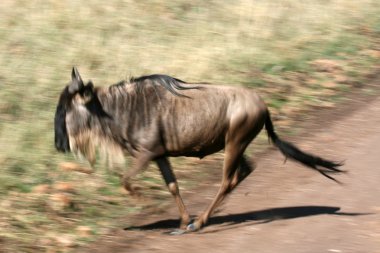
(291, 151)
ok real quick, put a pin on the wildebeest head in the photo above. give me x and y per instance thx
(80, 123)
(71, 102)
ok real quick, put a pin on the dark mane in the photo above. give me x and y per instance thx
(170, 83)
(118, 84)
(155, 77)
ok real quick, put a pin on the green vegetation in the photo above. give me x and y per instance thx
(295, 53)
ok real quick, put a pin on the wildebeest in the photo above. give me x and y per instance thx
(155, 117)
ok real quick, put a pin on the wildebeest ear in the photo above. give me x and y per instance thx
(76, 81)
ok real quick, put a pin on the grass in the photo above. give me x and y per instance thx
(268, 45)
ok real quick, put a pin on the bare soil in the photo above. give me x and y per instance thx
(283, 207)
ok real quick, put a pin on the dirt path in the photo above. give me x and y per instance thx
(284, 207)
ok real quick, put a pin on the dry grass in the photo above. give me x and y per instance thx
(265, 44)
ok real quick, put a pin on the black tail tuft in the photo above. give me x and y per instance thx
(309, 160)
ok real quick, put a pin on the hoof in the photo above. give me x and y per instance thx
(177, 232)
(192, 227)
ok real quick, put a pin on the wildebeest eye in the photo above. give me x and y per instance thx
(87, 93)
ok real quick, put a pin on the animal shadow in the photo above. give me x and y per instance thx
(257, 217)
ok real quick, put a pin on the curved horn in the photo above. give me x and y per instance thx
(76, 81)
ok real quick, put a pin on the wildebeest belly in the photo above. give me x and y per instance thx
(200, 149)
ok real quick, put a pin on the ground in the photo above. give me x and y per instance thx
(283, 207)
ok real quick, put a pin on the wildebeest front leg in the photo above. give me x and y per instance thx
(141, 163)
(171, 182)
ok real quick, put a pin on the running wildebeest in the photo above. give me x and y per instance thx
(158, 116)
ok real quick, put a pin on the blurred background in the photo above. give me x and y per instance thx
(297, 54)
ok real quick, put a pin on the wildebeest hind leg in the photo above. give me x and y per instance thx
(235, 169)
(242, 171)
(171, 182)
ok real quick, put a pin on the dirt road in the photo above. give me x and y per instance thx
(285, 207)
